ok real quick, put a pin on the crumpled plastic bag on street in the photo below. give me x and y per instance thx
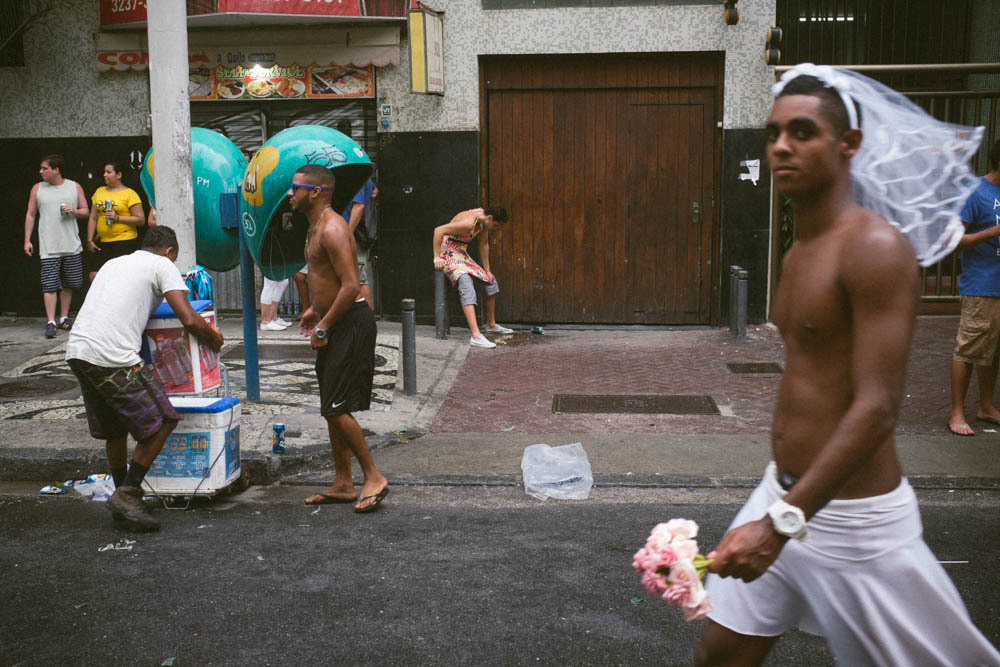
(562, 472)
(100, 489)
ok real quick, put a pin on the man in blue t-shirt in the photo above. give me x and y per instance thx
(978, 340)
(354, 215)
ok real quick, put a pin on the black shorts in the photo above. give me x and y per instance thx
(345, 366)
(108, 251)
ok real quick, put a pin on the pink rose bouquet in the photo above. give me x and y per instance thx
(672, 568)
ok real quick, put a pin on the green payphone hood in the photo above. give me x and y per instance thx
(274, 235)
(217, 168)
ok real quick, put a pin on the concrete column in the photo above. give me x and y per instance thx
(171, 111)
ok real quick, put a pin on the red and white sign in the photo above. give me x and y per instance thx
(308, 7)
(118, 12)
(124, 12)
(121, 12)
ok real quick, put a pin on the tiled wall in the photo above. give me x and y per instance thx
(60, 93)
(471, 31)
(67, 96)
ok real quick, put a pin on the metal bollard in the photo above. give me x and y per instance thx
(409, 347)
(738, 279)
(733, 273)
(441, 328)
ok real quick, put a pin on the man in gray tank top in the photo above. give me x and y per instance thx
(57, 202)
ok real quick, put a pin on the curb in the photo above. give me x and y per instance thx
(311, 465)
(44, 464)
(650, 481)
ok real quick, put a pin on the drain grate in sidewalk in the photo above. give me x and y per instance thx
(767, 368)
(635, 403)
(40, 387)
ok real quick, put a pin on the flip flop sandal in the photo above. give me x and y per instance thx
(329, 500)
(378, 498)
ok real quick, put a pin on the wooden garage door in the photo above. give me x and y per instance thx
(610, 185)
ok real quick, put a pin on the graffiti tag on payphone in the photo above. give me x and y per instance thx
(327, 156)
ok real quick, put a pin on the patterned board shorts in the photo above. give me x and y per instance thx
(65, 271)
(123, 400)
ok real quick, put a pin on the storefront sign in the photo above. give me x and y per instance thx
(426, 51)
(343, 66)
(281, 82)
(125, 12)
(321, 7)
(328, 62)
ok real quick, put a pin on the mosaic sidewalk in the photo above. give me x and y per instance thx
(288, 386)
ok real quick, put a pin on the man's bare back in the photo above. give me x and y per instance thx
(815, 312)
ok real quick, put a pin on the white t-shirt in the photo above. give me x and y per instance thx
(108, 329)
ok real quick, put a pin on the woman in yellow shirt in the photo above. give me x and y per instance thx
(112, 233)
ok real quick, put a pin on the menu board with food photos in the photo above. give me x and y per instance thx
(280, 82)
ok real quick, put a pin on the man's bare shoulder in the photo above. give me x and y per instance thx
(331, 226)
(872, 233)
(875, 250)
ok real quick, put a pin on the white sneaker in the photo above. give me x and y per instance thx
(481, 342)
(283, 323)
(499, 329)
(272, 326)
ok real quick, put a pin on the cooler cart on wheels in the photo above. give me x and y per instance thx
(201, 457)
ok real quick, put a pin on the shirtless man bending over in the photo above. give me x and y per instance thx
(859, 573)
(342, 330)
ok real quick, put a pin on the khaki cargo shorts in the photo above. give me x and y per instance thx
(978, 340)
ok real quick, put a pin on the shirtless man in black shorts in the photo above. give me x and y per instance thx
(341, 328)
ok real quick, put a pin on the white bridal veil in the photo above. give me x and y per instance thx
(912, 169)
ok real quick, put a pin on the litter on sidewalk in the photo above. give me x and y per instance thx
(97, 486)
(557, 472)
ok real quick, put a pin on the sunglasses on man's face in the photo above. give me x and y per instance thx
(301, 186)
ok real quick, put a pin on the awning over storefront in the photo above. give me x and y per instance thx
(356, 47)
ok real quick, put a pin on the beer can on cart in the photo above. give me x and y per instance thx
(108, 207)
(278, 444)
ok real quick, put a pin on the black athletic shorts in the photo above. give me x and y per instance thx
(110, 250)
(345, 366)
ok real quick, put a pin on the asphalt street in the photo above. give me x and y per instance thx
(474, 575)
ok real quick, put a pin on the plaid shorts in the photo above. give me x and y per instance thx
(123, 400)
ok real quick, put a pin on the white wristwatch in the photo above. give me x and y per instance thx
(788, 520)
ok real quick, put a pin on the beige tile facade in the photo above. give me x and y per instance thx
(470, 31)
